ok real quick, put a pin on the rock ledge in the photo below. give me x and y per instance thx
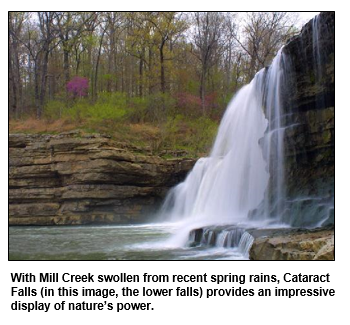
(75, 178)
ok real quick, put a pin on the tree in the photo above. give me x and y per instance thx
(70, 28)
(116, 25)
(78, 87)
(151, 55)
(16, 22)
(48, 40)
(264, 33)
(209, 39)
(168, 26)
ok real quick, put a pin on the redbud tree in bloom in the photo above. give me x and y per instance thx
(78, 87)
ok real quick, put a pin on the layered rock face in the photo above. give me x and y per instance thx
(73, 178)
(308, 119)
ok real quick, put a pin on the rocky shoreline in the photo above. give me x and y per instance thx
(294, 245)
(268, 244)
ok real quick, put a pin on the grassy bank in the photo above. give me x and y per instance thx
(157, 122)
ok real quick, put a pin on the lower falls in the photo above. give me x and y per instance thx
(272, 163)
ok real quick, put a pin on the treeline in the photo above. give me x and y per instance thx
(191, 61)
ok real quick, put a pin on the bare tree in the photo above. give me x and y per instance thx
(16, 21)
(209, 40)
(70, 29)
(263, 34)
(167, 26)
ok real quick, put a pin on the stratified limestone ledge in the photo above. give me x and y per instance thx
(74, 179)
(298, 245)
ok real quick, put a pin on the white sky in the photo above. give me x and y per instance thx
(306, 16)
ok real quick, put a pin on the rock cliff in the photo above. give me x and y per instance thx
(308, 125)
(309, 139)
(73, 178)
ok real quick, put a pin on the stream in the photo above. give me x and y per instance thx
(126, 242)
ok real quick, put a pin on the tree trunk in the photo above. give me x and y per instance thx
(141, 78)
(43, 83)
(202, 89)
(14, 88)
(94, 97)
(66, 66)
(111, 58)
(150, 71)
(14, 65)
(162, 69)
(36, 90)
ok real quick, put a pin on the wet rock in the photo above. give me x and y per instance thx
(308, 118)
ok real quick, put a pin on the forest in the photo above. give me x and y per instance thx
(159, 80)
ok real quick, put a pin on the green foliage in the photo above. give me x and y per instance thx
(204, 130)
(153, 121)
(53, 110)
(195, 136)
(153, 108)
(171, 130)
(109, 106)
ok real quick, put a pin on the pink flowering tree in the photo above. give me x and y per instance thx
(78, 87)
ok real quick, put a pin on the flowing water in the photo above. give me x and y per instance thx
(130, 242)
(235, 180)
(239, 186)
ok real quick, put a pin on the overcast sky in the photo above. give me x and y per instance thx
(306, 16)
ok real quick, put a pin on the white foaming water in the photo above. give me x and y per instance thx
(224, 187)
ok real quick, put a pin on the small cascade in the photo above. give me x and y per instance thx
(208, 237)
(216, 236)
(222, 237)
(229, 238)
(245, 243)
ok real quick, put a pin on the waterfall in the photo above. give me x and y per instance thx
(224, 187)
(243, 181)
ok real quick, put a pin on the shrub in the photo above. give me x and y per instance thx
(153, 108)
(53, 110)
(204, 132)
(78, 87)
(189, 104)
(109, 106)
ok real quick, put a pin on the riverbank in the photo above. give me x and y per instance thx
(74, 179)
(151, 242)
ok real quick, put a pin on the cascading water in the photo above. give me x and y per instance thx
(224, 187)
(242, 182)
